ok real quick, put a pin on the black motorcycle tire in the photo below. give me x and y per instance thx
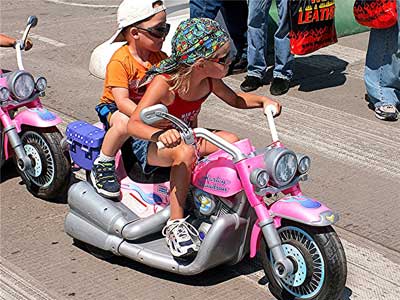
(47, 141)
(331, 249)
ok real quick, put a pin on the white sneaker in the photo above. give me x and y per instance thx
(182, 238)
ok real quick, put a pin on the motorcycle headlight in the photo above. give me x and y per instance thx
(21, 84)
(259, 178)
(304, 163)
(281, 165)
(41, 84)
(4, 94)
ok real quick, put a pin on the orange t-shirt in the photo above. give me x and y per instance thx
(124, 71)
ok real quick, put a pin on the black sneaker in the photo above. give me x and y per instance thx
(279, 86)
(251, 83)
(104, 179)
(387, 112)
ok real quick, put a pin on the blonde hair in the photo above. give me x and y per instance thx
(180, 80)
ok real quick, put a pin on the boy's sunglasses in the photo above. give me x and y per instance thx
(224, 60)
(160, 31)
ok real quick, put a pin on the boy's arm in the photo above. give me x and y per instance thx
(124, 104)
(156, 93)
(241, 100)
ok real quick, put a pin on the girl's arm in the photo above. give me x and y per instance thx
(241, 100)
(157, 92)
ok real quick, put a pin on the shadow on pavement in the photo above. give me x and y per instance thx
(317, 72)
(8, 171)
(347, 294)
(207, 278)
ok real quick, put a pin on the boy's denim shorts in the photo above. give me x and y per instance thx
(140, 149)
(105, 111)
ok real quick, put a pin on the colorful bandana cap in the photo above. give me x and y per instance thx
(193, 39)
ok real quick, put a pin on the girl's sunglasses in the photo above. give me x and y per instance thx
(159, 32)
(224, 60)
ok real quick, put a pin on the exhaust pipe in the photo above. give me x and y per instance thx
(101, 212)
(83, 231)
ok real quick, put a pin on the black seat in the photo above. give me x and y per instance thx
(134, 170)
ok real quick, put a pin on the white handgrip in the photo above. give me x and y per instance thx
(270, 111)
(160, 145)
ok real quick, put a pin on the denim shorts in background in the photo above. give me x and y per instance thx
(105, 111)
(140, 148)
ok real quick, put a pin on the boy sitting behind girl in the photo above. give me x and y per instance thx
(142, 23)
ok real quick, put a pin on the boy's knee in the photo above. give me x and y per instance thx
(121, 126)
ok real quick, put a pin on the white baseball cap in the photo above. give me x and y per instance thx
(133, 11)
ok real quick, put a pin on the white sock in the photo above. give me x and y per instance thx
(104, 158)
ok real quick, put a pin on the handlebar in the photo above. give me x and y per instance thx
(188, 133)
(20, 44)
(270, 112)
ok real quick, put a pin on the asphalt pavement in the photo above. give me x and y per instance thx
(355, 169)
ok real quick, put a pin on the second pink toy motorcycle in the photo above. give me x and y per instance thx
(28, 130)
(242, 201)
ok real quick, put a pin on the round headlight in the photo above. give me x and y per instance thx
(259, 178)
(41, 84)
(4, 94)
(286, 168)
(21, 84)
(304, 164)
(281, 165)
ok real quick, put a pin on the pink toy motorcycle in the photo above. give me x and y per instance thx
(30, 135)
(242, 201)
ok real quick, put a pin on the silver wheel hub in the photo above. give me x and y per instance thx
(36, 169)
(295, 279)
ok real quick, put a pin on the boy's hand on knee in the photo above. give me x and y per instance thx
(170, 138)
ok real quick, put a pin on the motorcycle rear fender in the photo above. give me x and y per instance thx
(299, 209)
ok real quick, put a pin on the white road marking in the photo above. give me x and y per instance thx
(339, 135)
(45, 40)
(82, 4)
(348, 54)
(15, 286)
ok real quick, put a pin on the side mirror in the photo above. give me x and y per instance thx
(32, 21)
(152, 114)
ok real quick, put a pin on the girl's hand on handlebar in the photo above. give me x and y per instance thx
(276, 106)
(28, 44)
(170, 138)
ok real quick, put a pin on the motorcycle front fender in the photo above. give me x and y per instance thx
(299, 209)
(36, 117)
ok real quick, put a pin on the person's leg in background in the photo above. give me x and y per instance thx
(382, 72)
(235, 15)
(284, 60)
(256, 43)
(204, 8)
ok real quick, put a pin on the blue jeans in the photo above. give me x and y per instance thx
(234, 14)
(382, 67)
(257, 40)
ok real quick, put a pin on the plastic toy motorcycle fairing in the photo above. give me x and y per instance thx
(144, 199)
(297, 208)
(216, 174)
(35, 117)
